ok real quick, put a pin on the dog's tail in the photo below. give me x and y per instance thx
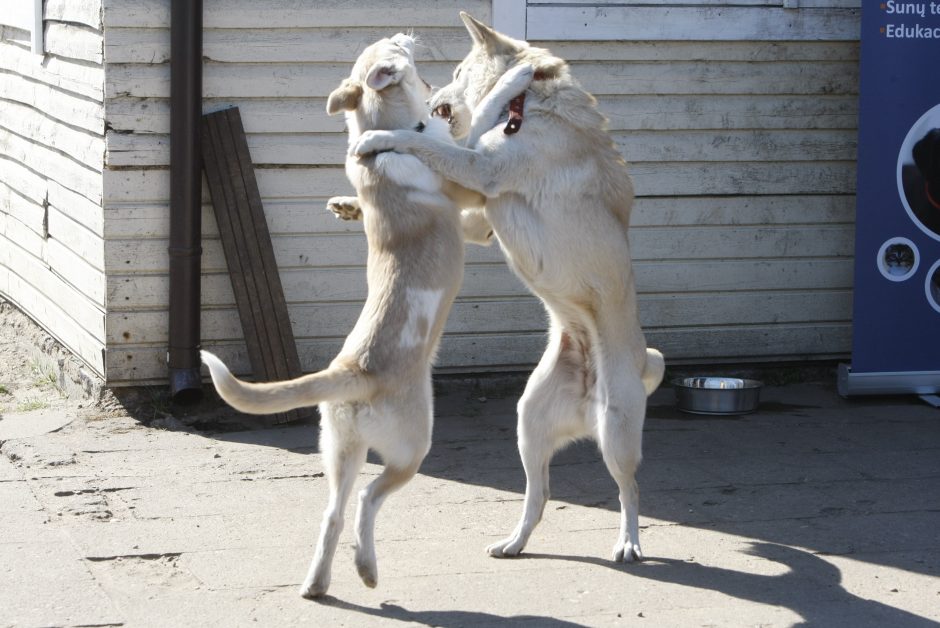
(653, 371)
(331, 384)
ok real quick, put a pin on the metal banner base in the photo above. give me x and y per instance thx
(891, 383)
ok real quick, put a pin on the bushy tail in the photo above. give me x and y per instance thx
(331, 384)
(653, 371)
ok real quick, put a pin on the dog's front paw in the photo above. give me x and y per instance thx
(372, 142)
(518, 78)
(345, 207)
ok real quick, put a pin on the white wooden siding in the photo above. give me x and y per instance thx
(743, 155)
(278, 64)
(51, 158)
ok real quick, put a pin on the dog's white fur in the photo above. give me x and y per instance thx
(376, 394)
(559, 198)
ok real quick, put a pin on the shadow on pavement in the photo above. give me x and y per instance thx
(799, 589)
(447, 619)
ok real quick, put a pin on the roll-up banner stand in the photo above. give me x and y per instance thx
(896, 313)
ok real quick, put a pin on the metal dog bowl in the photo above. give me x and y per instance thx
(717, 395)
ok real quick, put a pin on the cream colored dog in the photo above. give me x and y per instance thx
(376, 394)
(559, 199)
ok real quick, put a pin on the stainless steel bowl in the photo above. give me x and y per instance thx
(717, 395)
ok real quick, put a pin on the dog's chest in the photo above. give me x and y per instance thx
(407, 171)
(520, 233)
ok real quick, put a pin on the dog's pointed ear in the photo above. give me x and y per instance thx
(483, 35)
(346, 97)
(383, 74)
(474, 27)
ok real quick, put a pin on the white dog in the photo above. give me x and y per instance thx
(559, 199)
(376, 394)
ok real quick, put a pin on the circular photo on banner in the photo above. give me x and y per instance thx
(898, 259)
(932, 286)
(919, 173)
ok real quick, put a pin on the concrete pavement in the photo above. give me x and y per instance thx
(814, 511)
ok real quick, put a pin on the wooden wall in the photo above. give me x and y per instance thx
(277, 61)
(742, 153)
(51, 158)
(743, 157)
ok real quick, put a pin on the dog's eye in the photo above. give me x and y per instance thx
(457, 73)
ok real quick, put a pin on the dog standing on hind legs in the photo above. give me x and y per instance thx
(558, 197)
(376, 394)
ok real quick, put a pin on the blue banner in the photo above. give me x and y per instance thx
(896, 314)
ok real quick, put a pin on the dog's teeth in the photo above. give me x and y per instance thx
(443, 111)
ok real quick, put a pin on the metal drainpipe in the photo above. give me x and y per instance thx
(185, 249)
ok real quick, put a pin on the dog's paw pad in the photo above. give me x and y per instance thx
(344, 209)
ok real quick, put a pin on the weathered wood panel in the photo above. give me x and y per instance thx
(659, 179)
(479, 352)
(276, 14)
(641, 146)
(146, 292)
(79, 78)
(87, 12)
(34, 126)
(51, 156)
(742, 153)
(299, 80)
(61, 105)
(78, 177)
(651, 243)
(517, 314)
(625, 113)
(308, 216)
(709, 23)
(74, 42)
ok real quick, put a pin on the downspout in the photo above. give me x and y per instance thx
(185, 250)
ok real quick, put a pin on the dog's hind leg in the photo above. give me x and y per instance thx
(621, 410)
(550, 414)
(343, 456)
(370, 500)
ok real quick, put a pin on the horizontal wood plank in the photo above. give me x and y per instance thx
(32, 124)
(309, 216)
(297, 14)
(74, 42)
(55, 103)
(650, 179)
(281, 45)
(55, 320)
(70, 302)
(650, 243)
(79, 177)
(655, 23)
(87, 12)
(304, 80)
(521, 351)
(79, 78)
(625, 113)
(128, 292)
(646, 146)
(521, 314)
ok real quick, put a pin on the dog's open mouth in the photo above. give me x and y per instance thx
(444, 111)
